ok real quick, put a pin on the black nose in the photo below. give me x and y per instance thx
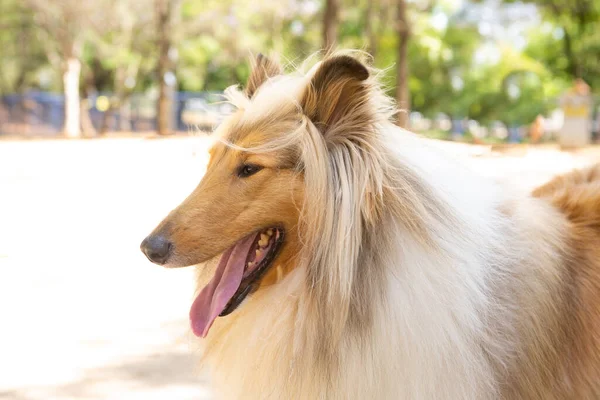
(157, 248)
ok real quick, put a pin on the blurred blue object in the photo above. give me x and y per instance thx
(42, 114)
(514, 135)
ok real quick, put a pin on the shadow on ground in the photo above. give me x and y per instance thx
(158, 375)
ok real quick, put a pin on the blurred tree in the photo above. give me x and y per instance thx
(442, 80)
(402, 92)
(442, 60)
(166, 12)
(64, 24)
(215, 55)
(118, 53)
(456, 71)
(330, 24)
(575, 34)
(404, 31)
(376, 20)
(22, 56)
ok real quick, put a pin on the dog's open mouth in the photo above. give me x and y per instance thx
(239, 271)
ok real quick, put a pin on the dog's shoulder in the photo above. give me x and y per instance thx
(577, 195)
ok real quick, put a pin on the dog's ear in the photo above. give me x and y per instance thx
(336, 93)
(263, 68)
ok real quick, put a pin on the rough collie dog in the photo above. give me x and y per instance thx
(342, 258)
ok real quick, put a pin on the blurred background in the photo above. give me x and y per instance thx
(486, 70)
(508, 86)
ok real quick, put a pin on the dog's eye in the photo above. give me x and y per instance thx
(247, 170)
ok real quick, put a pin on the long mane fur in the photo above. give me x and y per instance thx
(417, 279)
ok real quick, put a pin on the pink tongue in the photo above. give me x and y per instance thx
(214, 297)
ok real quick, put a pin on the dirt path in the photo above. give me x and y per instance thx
(83, 314)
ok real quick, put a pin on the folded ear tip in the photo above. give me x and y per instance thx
(357, 69)
(362, 73)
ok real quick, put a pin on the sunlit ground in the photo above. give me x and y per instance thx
(83, 315)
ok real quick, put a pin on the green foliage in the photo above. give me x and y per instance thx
(214, 40)
(569, 42)
(22, 58)
(446, 78)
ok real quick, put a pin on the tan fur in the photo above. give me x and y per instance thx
(398, 279)
(577, 196)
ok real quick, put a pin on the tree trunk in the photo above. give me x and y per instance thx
(163, 110)
(107, 120)
(122, 96)
(402, 91)
(88, 129)
(370, 27)
(125, 113)
(330, 24)
(71, 89)
(573, 67)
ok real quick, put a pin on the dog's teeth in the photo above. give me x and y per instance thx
(264, 240)
(269, 232)
(258, 253)
(250, 264)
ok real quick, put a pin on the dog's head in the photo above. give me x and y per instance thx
(249, 206)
